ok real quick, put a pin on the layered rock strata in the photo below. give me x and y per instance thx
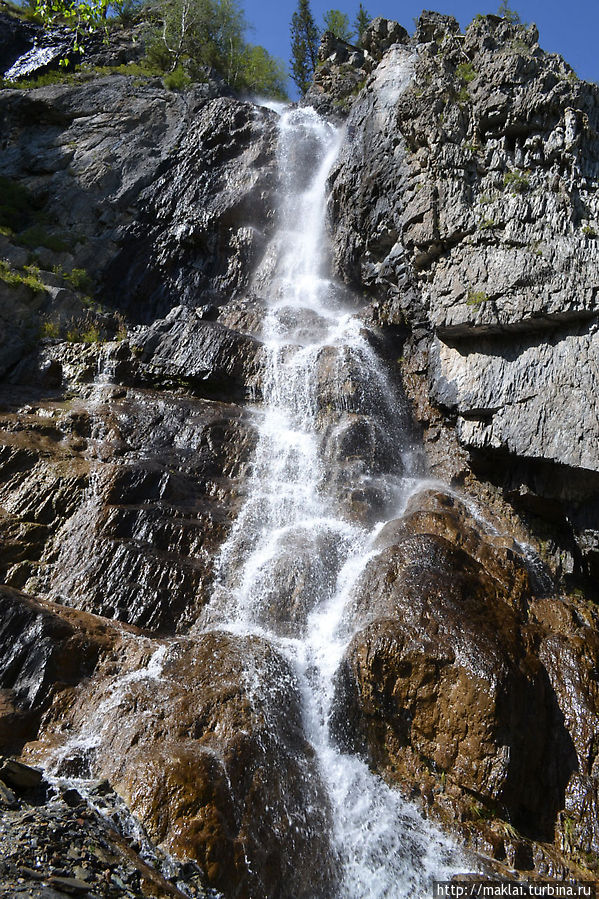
(467, 207)
(464, 215)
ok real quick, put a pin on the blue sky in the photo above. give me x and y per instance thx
(571, 29)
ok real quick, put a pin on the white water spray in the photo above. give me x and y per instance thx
(332, 464)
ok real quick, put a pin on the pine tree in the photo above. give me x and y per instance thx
(304, 45)
(363, 20)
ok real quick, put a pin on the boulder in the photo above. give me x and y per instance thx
(184, 347)
(441, 679)
(18, 775)
(216, 768)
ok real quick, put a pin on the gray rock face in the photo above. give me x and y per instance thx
(186, 348)
(535, 397)
(466, 203)
(380, 35)
(117, 501)
(203, 220)
(162, 197)
(341, 72)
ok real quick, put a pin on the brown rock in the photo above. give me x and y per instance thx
(216, 768)
(7, 797)
(18, 775)
(442, 514)
(441, 685)
(42, 649)
(569, 649)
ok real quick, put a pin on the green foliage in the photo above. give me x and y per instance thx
(338, 23)
(487, 224)
(25, 9)
(509, 830)
(79, 279)
(507, 13)
(362, 21)
(177, 80)
(263, 73)
(196, 36)
(91, 334)
(49, 328)
(126, 11)
(84, 330)
(304, 45)
(589, 231)
(518, 47)
(466, 72)
(80, 16)
(477, 298)
(517, 182)
(38, 236)
(480, 812)
(29, 277)
(121, 333)
(78, 74)
(536, 248)
(57, 76)
(24, 221)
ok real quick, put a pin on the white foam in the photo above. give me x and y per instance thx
(385, 847)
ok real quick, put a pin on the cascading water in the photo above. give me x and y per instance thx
(332, 464)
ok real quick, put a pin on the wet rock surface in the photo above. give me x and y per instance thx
(56, 843)
(213, 767)
(464, 210)
(118, 506)
(42, 652)
(453, 684)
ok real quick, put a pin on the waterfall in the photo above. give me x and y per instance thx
(332, 464)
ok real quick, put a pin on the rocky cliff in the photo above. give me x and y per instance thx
(465, 224)
(481, 239)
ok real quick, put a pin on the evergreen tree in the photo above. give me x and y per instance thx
(338, 23)
(363, 20)
(304, 45)
(510, 14)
